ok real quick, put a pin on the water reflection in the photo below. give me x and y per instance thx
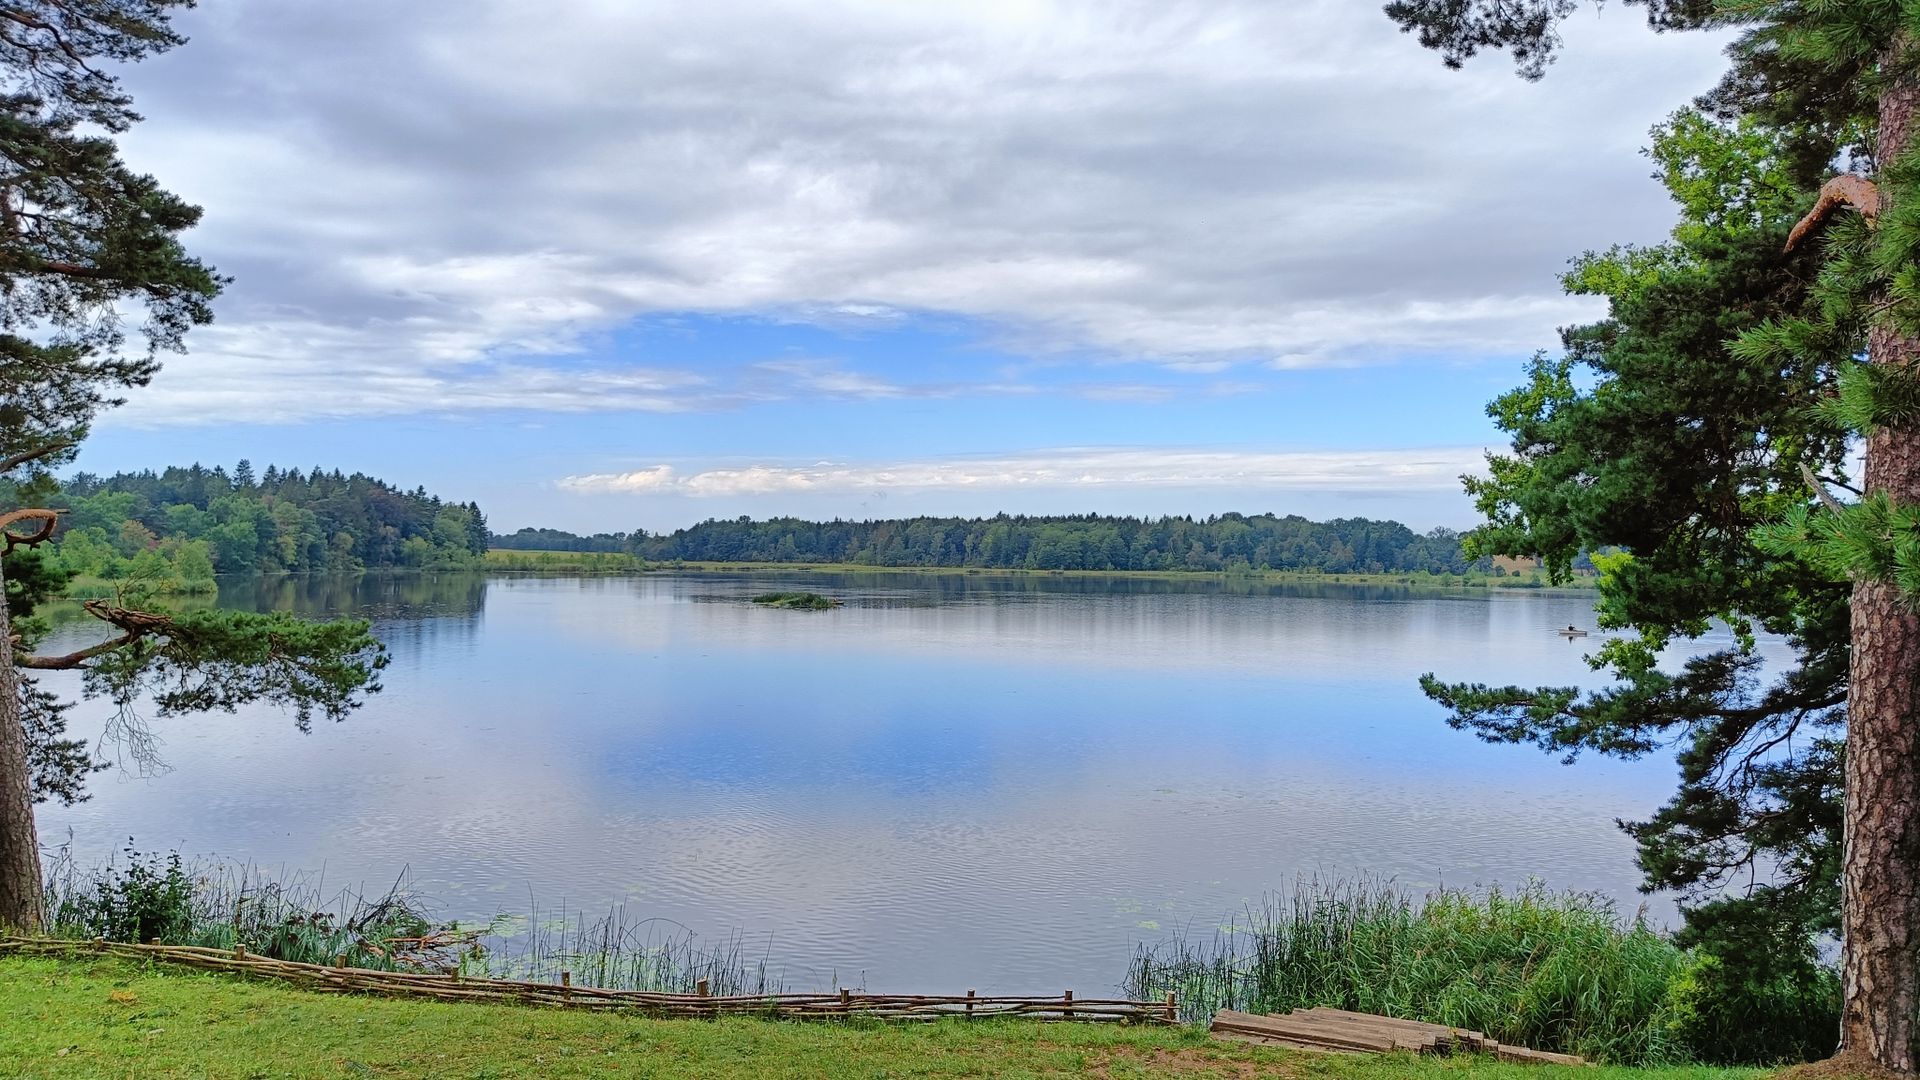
(370, 596)
(954, 780)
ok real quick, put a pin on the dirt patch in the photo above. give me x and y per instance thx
(1848, 1066)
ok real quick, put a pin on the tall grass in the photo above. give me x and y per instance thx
(1552, 970)
(145, 898)
(142, 898)
(618, 952)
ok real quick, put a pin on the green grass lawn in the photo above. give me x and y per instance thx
(101, 1017)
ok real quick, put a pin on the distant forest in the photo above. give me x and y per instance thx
(185, 524)
(1078, 542)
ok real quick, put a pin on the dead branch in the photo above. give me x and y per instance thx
(1847, 189)
(1820, 490)
(48, 520)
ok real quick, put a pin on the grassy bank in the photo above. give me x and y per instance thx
(86, 1018)
(1551, 970)
(571, 562)
(562, 562)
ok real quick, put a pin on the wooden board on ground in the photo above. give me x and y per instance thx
(1303, 1030)
(1342, 1031)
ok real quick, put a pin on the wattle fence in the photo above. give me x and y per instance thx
(441, 987)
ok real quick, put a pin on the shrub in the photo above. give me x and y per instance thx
(146, 899)
(1556, 971)
(1766, 1009)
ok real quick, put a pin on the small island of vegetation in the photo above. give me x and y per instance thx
(798, 601)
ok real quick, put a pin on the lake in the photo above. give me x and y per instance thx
(960, 780)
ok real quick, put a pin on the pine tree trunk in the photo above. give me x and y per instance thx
(1880, 909)
(19, 844)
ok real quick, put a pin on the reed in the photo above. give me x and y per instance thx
(1558, 971)
(142, 899)
(139, 898)
(619, 952)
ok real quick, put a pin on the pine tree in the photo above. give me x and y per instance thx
(82, 239)
(1846, 72)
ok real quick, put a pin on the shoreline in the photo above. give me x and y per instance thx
(501, 560)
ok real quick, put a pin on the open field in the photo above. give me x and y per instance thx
(86, 1018)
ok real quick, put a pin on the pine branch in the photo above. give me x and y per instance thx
(25, 456)
(72, 660)
(133, 625)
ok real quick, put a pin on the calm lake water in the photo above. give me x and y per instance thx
(953, 781)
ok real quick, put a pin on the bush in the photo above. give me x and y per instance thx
(1760, 1011)
(147, 899)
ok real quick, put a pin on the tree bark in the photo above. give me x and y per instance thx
(1880, 906)
(20, 892)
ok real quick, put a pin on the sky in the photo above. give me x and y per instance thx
(612, 265)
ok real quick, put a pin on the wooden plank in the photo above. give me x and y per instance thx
(1281, 1027)
(1460, 1039)
(1525, 1056)
(1273, 1027)
(1372, 1018)
(1308, 1040)
(1257, 1040)
(1422, 1037)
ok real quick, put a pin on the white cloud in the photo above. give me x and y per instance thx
(1436, 469)
(658, 478)
(414, 197)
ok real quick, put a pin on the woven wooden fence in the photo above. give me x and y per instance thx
(440, 987)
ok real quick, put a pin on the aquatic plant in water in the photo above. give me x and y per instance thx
(799, 601)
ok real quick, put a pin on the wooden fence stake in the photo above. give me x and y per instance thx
(566, 980)
(1067, 1008)
(1173, 1014)
(239, 951)
(969, 1002)
(846, 1000)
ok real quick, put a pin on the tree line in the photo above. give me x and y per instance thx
(186, 524)
(1225, 542)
